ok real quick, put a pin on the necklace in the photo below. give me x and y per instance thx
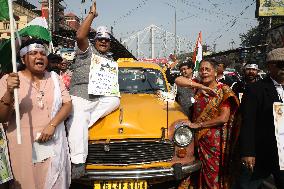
(37, 87)
(40, 95)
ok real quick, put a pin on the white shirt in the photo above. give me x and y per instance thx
(279, 90)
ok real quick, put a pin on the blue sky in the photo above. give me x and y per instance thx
(220, 21)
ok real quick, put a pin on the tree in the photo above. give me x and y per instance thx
(257, 35)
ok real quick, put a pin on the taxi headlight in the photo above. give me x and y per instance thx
(183, 136)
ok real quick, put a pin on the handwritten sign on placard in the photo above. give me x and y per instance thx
(103, 77)
(278, 113)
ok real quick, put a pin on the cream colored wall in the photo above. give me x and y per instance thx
(25, 16)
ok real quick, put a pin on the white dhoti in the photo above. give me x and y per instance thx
(84, 114)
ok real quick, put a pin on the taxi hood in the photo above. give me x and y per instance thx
(139, 116)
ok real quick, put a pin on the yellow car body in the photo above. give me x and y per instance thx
(135, 142)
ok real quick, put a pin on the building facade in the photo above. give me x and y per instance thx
(57, 14)
(72, 21)
(24, 12)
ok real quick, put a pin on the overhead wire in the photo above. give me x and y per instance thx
(230, 24)
(130, 12)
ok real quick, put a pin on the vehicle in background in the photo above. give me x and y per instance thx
(146, 140)
(67, 53)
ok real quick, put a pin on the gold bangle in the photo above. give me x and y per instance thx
(51, 124)
(201, 124)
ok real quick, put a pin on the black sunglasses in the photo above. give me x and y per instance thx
(103, 39)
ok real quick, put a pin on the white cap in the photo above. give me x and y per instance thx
(102, 32)
(251, 66)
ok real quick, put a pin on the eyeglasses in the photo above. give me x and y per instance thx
(103, 39)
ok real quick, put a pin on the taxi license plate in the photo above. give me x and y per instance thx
(120, 184)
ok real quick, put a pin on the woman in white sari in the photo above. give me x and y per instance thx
(42, 160)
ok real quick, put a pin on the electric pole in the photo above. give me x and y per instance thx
(175, 49)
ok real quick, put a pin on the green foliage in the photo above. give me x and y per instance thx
(257, 35)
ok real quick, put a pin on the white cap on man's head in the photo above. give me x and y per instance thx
(102, 32)
(251, 66)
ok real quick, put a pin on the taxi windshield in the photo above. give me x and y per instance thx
(140, 80)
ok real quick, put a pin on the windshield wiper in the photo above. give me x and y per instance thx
(149, 90)
(128, 91)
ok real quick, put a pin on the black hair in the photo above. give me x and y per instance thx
(222, 60)
(54, 58)
(211, 61)
(187, 63)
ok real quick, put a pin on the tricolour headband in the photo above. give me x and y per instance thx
(33, 47)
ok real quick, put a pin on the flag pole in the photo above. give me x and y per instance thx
(13, 47)
(17, 33)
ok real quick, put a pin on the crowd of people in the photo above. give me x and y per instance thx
(230, 119)
(235, 141)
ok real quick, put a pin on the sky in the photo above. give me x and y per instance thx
(220, 21)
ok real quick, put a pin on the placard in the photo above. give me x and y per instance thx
(271, 8)
(278, 113)
(103, 77)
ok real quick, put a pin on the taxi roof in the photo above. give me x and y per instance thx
(136, 64)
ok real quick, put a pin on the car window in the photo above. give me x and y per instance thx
(141, 80)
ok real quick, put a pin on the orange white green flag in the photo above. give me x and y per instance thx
(197, 55)
(4, 10)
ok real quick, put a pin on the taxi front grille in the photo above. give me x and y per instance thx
(125, 153)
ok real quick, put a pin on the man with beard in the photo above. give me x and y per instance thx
(258, 146)
(250, 76)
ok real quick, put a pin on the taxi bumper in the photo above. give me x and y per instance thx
(177, 171)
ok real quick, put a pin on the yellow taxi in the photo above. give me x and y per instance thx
(144, 142)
